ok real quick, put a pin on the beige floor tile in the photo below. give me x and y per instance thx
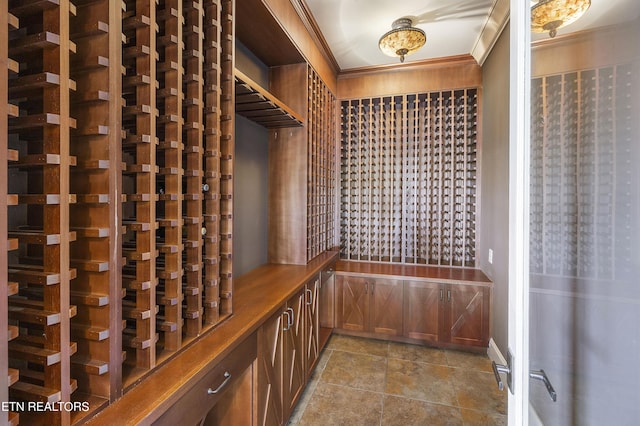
(468, 360)
(355, 370)
(426, 382)
(358, 345)
(417, 353)
(477, 390)
(410, 412)
(333, 405)
(479, 418)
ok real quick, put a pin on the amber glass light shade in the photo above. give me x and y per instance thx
(550, 15)
(402, 40)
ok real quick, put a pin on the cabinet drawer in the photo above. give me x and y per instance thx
(195, 403)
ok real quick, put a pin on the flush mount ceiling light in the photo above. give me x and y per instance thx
(550, 15)
(402, 40)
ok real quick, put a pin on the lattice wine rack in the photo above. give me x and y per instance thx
(583, 146)
(116, 147)
(409, 178)
(322, 167)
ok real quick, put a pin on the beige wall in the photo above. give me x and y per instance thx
(494, 208)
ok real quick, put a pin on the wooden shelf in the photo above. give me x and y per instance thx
(260, 106)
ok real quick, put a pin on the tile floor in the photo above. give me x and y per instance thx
(371, 382)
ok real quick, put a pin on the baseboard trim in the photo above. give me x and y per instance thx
(494, 353)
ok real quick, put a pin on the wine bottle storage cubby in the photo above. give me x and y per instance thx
(39, 261)
(322, 167)
(409, 178)
(582, 150)
(194, 187)
(139, 154)
(117, 154)
(227, 152)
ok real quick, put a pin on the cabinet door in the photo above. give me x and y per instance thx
(422, 314)
(467, 315)
(327, 297)
(312, 325)
(352, 308)
(270, 371)
(386, 310)
(294, 374)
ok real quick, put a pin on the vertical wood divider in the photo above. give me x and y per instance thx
(4, 190)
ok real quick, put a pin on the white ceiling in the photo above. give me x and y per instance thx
(352, 28)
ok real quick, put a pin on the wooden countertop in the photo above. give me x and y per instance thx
(414, 272)
(257, 295)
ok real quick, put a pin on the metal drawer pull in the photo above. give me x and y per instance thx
(291, 318)
(542, 376)
(288, 326)
(227, 377)
(310, 297)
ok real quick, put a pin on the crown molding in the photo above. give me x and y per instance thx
(493, 27)
(303, 11)
(447, 61)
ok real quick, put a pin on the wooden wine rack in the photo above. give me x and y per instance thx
(118, 161)
(321, 167)
(193, 186)
(409, 180)
(582, 149)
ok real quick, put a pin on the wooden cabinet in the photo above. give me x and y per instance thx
(467, 315)
(326, 303)
(447, 313)
(281, 361)
(270, 371)
(230, 380)
(293, 349)
(436, 305)
(312, 324)
(423, 316)
(369, 305)
(288, 350)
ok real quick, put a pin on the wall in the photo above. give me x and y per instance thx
(494, 208)
(250, 179)
(250, 191)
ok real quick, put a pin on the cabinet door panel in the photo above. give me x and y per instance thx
(468, 315)
(422, 313)
(294, 367)
(312, 326)
(270, 371)
(353, 303)
(386, 313)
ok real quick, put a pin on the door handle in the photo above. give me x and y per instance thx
(497, 369)
(309, 297)
(542, 376)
